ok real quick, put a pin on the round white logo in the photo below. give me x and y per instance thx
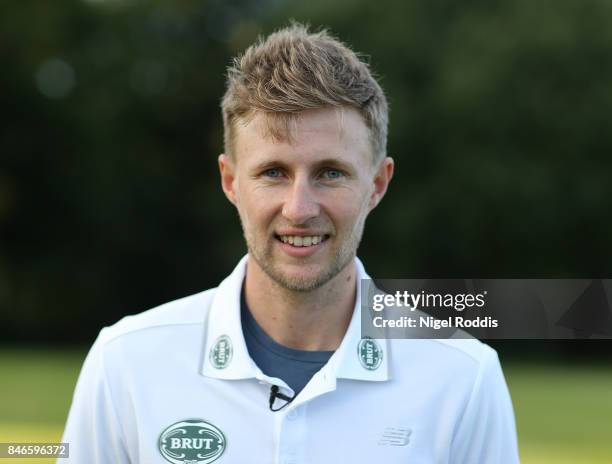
(221, 352)
(192, 441)
(370, 353)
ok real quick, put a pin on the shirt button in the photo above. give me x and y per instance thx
(293, 414)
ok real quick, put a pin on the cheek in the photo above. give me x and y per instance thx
(346, 208)
(255, 209)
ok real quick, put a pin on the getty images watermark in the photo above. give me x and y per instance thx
(486, 308)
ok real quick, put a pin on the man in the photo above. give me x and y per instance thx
(270, 367)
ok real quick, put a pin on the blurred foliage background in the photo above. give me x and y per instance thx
(109, 193)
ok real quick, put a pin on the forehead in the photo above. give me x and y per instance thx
(309, 135)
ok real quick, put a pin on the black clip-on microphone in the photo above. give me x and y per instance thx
(275, 394)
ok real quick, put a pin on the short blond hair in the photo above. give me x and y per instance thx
(293, 70)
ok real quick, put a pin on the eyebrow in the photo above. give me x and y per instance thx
(327, 162)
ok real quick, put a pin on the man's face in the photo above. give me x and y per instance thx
(303, 202)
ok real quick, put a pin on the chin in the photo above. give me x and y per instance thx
(299, 275)
(299, 280)
(297, 285)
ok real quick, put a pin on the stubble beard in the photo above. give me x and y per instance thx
(341, 257)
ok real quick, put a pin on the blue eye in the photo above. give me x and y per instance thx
(332, 174)
(274, 172)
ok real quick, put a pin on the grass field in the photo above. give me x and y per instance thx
(564, 415)
(35, 393)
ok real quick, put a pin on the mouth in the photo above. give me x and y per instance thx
(302, 241)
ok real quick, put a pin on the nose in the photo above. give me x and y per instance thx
(301, 203)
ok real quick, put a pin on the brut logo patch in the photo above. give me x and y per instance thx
(370, 353)
(192, 441)
(221, 352)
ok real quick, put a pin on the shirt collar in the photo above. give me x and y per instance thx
(226, 355)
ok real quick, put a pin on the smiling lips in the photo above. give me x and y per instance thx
(302, 240)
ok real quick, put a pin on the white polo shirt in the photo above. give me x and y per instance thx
(176, 384)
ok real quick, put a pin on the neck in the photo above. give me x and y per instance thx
(315, 321)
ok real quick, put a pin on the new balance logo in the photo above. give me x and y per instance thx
(395, 436)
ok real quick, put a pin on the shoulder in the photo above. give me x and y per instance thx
(461, 351)
(172, 317)
(470, 357)
(465, 350)
(458, 364)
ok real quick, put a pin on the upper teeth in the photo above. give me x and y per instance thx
(297, 240)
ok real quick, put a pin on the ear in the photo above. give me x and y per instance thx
(227, 168)
(381, 181)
